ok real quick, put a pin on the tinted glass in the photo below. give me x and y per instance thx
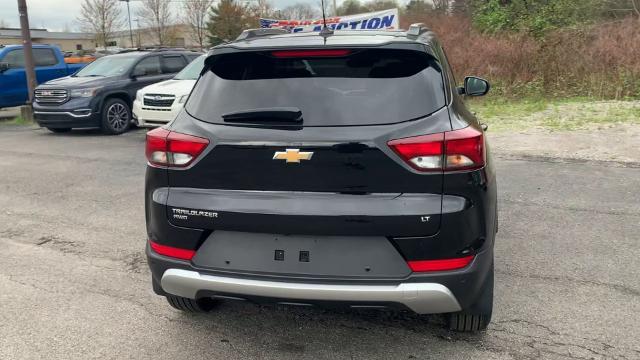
(41, 57)
(377, 86)
(108, 66)
(44, 57)
(14, 58)
(173, 64)
(358, 64)
(192, 71)
(148, 66)
(192, 56)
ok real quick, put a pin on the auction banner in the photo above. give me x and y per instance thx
(378, 20)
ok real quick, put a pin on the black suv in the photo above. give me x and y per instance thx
(101, 93)
(336, 170)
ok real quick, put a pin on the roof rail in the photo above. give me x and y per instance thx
(153, 49)
(254, 33)
(123, 51)
(160, 49)
(417, 29)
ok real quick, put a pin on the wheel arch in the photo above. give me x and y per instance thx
(117, 95)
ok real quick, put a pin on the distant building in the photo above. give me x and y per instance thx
(66, 41)
(177, 36)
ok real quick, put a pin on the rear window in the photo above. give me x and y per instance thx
(336, 88)
(44, 57)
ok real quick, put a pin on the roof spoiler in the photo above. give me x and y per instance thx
(417, 29)
(254, 33)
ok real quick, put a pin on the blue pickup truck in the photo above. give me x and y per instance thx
(49, 62)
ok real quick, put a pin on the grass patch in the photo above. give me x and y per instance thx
(567, 114)
(18, 120)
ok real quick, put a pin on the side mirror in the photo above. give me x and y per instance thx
(475, 86)
(4, 67)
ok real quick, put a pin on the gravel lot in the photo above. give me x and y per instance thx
(74, 283)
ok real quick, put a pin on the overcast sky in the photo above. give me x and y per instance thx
(55, 15)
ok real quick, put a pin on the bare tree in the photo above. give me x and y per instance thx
(417, 8)
(443, 6)
(377, 5)
(300, 11)
(263, 9)
(350, 7)
(156, 14)
(194, 15)
(461, 6)
(101, 17)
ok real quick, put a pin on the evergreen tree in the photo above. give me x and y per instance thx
(227, 20)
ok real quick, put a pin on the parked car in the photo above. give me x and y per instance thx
(159, 103)
(79, 59)
(49, 65)
(341, 170)
(102, 93)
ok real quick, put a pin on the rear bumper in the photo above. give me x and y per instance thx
(423, 293)
(422, 298)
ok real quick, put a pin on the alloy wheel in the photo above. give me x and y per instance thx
(118, 116)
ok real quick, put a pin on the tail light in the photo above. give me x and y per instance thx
(449, 151)
(440, 265)
(173, 252)
(173, 149)
(464, 149)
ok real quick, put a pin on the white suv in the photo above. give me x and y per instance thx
(157, 104)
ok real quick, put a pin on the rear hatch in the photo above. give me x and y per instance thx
(298, 144)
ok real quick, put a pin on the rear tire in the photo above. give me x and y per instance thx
(116, 117)
(59, 130)
(190, 305)
(478, 316)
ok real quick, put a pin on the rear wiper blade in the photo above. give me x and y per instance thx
(274, 116)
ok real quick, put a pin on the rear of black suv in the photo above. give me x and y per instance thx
(337, 172)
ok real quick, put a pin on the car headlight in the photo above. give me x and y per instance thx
(139, 95)
(182, 99)
(88, 92)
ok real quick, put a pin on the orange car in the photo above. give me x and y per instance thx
(79, 59)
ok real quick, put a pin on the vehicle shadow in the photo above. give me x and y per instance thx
(94, 132)
(298, 332)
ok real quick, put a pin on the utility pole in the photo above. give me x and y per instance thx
(32, 82)
(139, 43)
(335, 8)
(129, 13)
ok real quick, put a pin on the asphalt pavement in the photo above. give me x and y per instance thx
(74, 283)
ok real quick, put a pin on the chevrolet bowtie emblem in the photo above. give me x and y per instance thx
(292, 155)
